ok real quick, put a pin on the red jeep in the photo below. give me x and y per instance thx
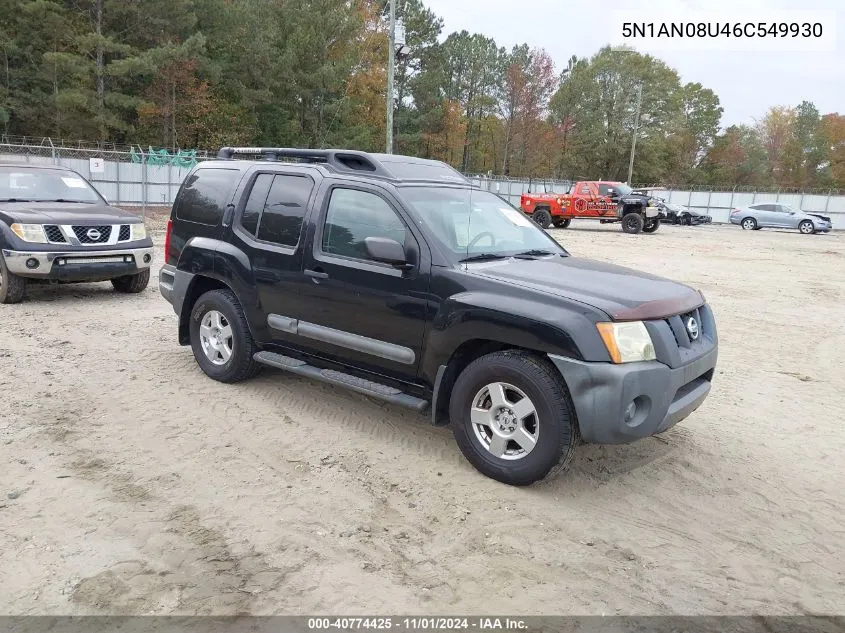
(601, 200)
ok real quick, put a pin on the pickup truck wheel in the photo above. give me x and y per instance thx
(542, 218)
(220, 339)
(632, 223)
(562, 223)
(12, 287)
(512, 417)
(132, 284)
(806, 227)
(650, 226)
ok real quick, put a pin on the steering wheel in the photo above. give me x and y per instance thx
(478, 237)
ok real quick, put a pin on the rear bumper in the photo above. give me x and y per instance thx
(603, 392)
(88, 265)
(173, 286)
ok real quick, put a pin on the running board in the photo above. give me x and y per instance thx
(332, 377)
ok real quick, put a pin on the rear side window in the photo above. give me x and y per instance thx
(255, 203)
(276, 207)
(281, 221)
(205, 194)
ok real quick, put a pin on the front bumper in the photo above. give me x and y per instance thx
(88, 265)
(603, 392)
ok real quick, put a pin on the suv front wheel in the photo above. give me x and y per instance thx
(512, 417)
(220, 339)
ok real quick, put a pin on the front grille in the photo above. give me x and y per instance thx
(680, 325)
(674, 344)
(54, 234)
(102, 235)
(125, 233)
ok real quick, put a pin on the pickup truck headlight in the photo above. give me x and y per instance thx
(139, 231)
(30, 232)
(627, 342)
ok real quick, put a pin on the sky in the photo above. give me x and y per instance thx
(747, 83)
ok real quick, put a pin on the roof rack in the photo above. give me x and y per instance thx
(341, 160)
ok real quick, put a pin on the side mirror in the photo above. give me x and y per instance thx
(385, 250)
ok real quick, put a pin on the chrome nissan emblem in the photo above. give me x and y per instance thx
(692, 328)
(93, 234)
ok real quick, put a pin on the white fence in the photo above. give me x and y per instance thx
(129, 183)
(121, 181)
(717, 204)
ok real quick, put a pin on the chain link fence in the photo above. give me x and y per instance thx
(125, 175)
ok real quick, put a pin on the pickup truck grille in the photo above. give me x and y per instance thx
(125, 233)
(92, 234)
(682, 338)
(54, 234)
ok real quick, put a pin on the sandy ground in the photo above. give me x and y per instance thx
(131, 483)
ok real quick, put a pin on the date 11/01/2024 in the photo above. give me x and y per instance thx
(417, 624)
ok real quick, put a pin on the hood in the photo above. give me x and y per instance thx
(622, 293)
(66, 213)
(816, 215)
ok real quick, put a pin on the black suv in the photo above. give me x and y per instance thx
(394, 277)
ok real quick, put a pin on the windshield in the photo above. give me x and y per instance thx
(44, 185)
(622, 188)
(469, 222)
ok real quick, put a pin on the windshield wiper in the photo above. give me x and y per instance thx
(480, 257)
(535, 252)
(64, 200)
(15, 200)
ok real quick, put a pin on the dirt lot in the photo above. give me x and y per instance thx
(131, 483)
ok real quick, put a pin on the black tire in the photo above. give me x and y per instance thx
(688, 220)
(557, 431)
(632, 223)
(806, 227)
(651, 226)
(132, 284)
(749, 224)
(12, 287)
(542, 218)
(241, 364)
(561, 223)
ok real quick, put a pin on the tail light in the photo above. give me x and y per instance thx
(734, 211)
(167, 242)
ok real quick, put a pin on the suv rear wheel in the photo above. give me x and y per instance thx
(220, 339)
(512, 417)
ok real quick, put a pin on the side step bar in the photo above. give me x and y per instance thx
(367, 387)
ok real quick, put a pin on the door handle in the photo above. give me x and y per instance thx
(316, 275)
(227, 215)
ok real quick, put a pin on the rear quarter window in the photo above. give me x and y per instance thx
(205, 194)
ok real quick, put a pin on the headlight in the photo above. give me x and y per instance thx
(30, 232)
(627, 342)
(139, 231)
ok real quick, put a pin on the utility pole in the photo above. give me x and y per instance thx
(636, 129)
(391, 67)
